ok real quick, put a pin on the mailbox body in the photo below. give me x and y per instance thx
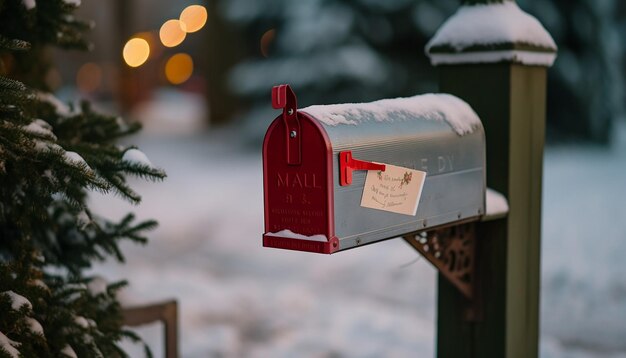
(323, 216)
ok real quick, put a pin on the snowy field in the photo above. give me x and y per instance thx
(237, 299)
(584, 251)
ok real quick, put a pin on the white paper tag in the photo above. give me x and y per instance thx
(397, 189)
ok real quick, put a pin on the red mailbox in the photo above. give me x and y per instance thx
(315, 162)
(297, 175)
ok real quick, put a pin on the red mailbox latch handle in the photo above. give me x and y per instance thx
(347, 164)
(284, 97)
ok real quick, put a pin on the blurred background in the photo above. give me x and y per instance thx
(198, 75)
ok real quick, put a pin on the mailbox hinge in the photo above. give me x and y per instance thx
(284, 97)
(452, 250)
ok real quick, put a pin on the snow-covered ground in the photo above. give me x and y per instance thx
(584, 251)
(239, 299)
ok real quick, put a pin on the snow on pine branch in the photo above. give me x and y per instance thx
(135, 156)
(60, 107)
(69, 352)
(9, 346)
(83, 219)
(138, 160)
(97, 286)
(40, 127)
(84, 322)
(34, 326)
(335, 65)
(29, 4)
(17, 301)
(75, 159)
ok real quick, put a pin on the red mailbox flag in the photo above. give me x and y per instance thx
(284, 97)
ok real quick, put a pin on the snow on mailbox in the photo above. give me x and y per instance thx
(326, 168)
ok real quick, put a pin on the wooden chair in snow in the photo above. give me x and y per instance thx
(166, 312)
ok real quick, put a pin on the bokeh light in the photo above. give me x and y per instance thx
(266, 41)
(89, 77)
(172, 33)
(136, 52)
(178, 68)
(151, 38)
(194, 17)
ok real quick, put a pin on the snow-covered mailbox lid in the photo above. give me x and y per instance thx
(313, 161)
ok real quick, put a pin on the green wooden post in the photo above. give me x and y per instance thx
(505, 83)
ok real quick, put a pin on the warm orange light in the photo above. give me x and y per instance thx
(179, 68)
(150, 37)
(136, 52)
(172, 33)
(89, 77)
(266, 41)
(194, 17)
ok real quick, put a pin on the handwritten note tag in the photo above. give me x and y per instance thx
(397, 189)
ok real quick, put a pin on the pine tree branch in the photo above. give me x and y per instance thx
(13, 44)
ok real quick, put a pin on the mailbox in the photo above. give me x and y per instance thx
(315, 161)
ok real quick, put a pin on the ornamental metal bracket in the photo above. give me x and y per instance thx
(452, 250)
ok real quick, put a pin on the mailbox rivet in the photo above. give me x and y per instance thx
(290, 111)
(293, 134)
